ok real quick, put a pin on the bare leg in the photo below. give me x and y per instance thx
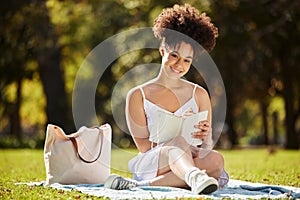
(176, 168)
(171, 171)
(175, 156)
(168, 179)
(213, 162)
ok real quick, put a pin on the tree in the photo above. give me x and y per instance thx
(28, 37)
(264, 56)
(276, 35)
(48, 56)
(16, 52)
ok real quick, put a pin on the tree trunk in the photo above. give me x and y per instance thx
(289, 79)
(275, 128)
(230, 124)
(15, 119)
(57, 109)
(290, 120)
(263, 108)
(51, 75)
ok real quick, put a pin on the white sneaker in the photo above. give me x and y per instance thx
(117, 182)
(201, 183)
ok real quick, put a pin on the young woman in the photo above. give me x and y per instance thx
(174, 162)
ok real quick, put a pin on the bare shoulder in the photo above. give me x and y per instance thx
(134, 92)
(201, 92)
(202, 98)
(148, 87)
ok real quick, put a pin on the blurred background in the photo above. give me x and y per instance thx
(44, 42)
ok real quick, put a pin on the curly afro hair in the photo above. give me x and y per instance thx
(186, 20)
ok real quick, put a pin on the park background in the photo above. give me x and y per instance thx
(44, 42)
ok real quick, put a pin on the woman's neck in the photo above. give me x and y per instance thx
(166, 81)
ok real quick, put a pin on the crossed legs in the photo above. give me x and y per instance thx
(176, 157)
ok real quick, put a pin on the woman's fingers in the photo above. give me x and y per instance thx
(204, 128)
(188, 112)
(201, 135)
(203, 125)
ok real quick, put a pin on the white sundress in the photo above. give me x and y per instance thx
(144, 166)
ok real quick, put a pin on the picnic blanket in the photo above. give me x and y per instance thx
(235, 189)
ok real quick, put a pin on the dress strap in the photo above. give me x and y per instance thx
(194, 91)
(143, 94)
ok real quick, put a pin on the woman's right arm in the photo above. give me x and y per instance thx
(136, 120)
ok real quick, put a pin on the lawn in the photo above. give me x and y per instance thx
(255, 165)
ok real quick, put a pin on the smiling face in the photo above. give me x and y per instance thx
(177, 60)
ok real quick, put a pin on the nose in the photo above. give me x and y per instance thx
(179, 64)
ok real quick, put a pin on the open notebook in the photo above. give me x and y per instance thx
(167, 125)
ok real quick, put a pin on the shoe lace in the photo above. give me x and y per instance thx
(125, 184)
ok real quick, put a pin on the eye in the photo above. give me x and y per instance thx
(174, 55)
(187, 61)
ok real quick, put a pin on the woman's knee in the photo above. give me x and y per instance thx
(217, 160)
(213, 157)
(171, 152)
(177, 146)
(179, 142)
(212, 162)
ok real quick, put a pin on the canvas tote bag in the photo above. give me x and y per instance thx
(82, 157)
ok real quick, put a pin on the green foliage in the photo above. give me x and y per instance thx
(252, 53)
(257, 53)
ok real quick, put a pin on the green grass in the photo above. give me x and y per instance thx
(255, 165)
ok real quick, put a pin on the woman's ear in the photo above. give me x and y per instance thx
(162, 51)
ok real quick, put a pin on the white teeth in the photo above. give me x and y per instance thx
(174, 70)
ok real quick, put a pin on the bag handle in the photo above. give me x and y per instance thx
(74, 142)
